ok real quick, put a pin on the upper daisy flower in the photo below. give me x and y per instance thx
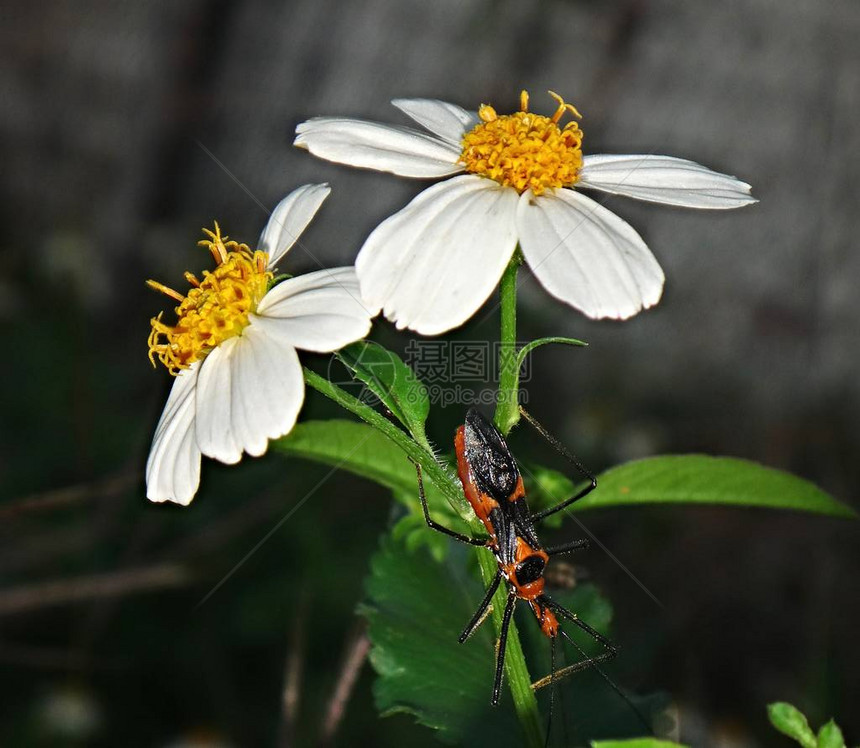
(233, 348)
(431, 265)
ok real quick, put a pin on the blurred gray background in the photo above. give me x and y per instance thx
(128, 126)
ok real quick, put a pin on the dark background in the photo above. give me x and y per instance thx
(128, 126)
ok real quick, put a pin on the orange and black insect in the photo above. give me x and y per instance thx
(493, 486)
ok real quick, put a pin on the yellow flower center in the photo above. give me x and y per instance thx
(215, 309)
(523, 150)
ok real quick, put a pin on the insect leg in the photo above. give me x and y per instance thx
(574, 545)
(503, 642)
(435, 525)
(593, 662)
(575, 619)
(570, 458)
(481, 612)
(576, 667)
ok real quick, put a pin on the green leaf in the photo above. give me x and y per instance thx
(351, 446)
(699, 479)
(830, 736)
(415, 610)
(421, 454)
(392, 381)
(413, 532)
(364, 451)
(636, 743)
(672, 479)
(790, 721)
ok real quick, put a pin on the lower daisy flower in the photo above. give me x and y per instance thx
(233, 348)
(433, 264)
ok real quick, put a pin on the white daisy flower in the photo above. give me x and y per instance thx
(233, 348)
(434, 263)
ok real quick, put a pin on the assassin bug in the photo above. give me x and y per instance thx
(494, 488)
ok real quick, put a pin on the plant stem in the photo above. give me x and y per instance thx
(516, 673)
(507, 406)
(506, 417)
(443, 480)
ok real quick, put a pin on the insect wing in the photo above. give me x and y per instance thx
(493, 467)
(494, 471)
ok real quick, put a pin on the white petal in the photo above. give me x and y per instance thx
(173, 466)
(432, 265)
(290, 218)
(369, 145)
(321, 311)
(663, 179)
(587, 256)
(250, 390)
(215, 435)
(268, 389)
(449, 121)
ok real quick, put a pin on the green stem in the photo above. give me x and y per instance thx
(431, 469)
(507, 407)
(516, 673)
(506, 417)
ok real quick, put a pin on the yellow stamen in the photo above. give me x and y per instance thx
(523, 150)
(216, 307)
(563, 107)
(167, 291)
(487, 113)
